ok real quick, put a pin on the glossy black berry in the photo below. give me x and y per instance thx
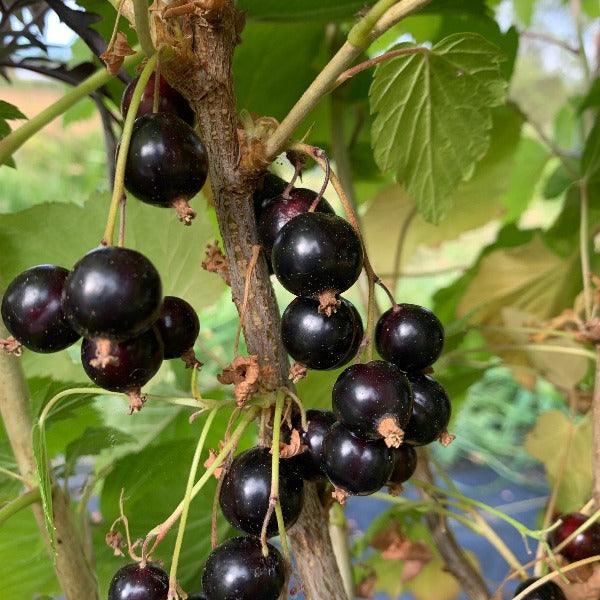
(32, 309)
(431, 410)
(310, 462)
(134, 583)
(584, 545)
(112, 292)
(246, 490)
(178, 325)
(196, 597)
(237, 570)
(373, 400)
(356, 465)
(267, 190)
(547, 591)
(170, 100)
(316, 253)
(409, 336)
(128, 365)
(167, 162)
(405, 464)
(281, 210)
(316, 340)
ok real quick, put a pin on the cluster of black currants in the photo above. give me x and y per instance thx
(167, 162)
(316, 255)
(113, 298)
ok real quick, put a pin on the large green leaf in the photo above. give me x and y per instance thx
(433, 116)
(302, 10)
(590, 162)
(61, 234)
(268, 82)
(93, 441)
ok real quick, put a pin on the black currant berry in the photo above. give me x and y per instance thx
(196, 597)
(246, 490)
(237, 570)
(310, 462)
(431, 411)
(167, 163)
(281, 210)
(374, 400)
(178, 325)
(267, 190)
(317, 253)
(584, 545)
(170, 100)
(32, 309)
(547, 591)
(113, 293)
(409, 336)
(355, 465)
(316, 340)
(405, 465)
(132, 582)
(125, 366)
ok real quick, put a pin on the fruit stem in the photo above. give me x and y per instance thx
(290, 394)
(327, 169)
(247, 283)
(122, 206)
(142, 27)
(186, 503)
(290, 186)
(156, 97)
(13, 141)
(24, 500)
(160, 531)
(118, 188)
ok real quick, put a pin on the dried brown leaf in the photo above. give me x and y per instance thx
(115, 54)
(243, 373)
(215, 262)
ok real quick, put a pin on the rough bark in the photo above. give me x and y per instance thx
(72, 570)
(202, 72)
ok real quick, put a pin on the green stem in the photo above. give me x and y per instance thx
(359, 35)
(13, 475)
(142, 26)
(12, 142)
(338, 532)
(187, 500)
(119, 186)
(14, 506)
(584, 226)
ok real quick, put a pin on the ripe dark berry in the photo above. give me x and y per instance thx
(246, 490)
(547, 591)
(170, 100)
(196, 597)
(237, 570)
(431, 411)
(32, 310)
(167, 163)
(178, 325)
(127, 365)
(112, 292)
(267, 190)
(405, 464)
(584, 545)
(316, 340)
(134, 583)
(310, 462)
(281, 210)
(355, 465)
(409, 336)
(374, 400)
(317, 253)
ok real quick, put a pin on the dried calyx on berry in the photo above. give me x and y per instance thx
(167, 163)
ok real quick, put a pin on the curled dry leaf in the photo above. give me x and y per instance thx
(115, 54)
(212, 456)
(243, 373)
(298, 371)
(114, 540)
(11, 346)
(586, 586)
(215, 262)
(446, 438)
(294, 447)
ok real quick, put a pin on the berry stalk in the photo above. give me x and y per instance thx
(186, 503)
(118, 188)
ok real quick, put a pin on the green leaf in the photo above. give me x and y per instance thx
(592, 98)
(43, 476)
(557, 438)
(93, 441)
(81, 111)
(558, 183)
(268, 82)
(590, 161)
(9, 111)
(433, 116)
(302, 10)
